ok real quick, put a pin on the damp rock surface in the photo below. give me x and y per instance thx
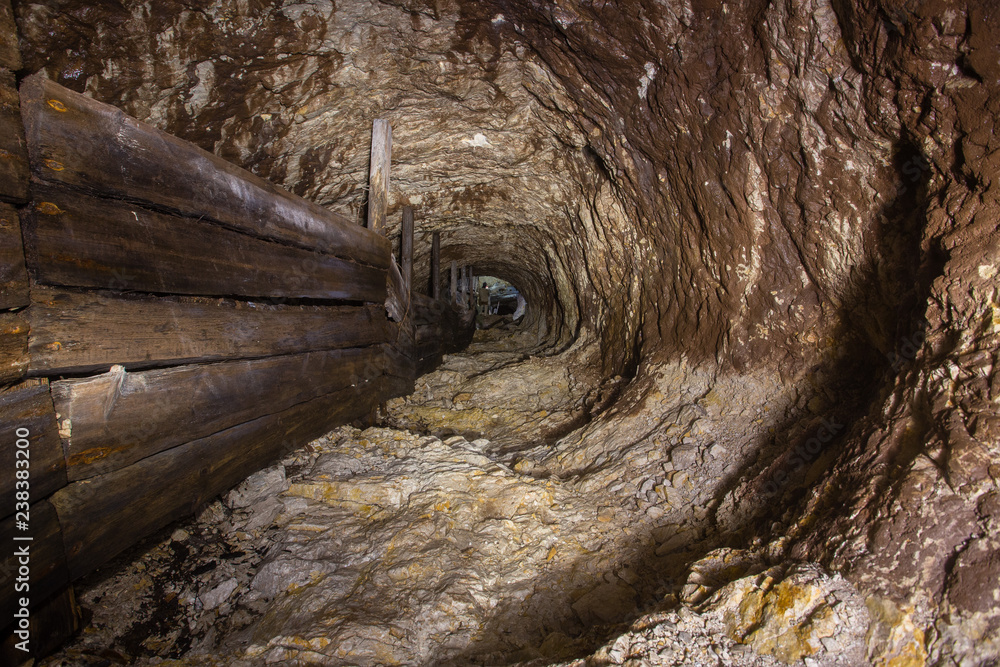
(759, 246)
(388, 546)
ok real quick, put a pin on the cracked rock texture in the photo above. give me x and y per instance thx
(759, 244)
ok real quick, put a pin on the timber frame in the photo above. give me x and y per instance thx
(170, 323)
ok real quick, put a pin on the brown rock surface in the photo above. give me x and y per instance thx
(758, 240)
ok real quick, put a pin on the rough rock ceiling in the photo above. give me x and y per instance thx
(290, 93)
(797, 189)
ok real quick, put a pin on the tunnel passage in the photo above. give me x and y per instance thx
(744, 226)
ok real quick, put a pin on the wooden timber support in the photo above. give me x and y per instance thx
(436, 265)
(378, 175)
(406, 248)
(172, 323)
(471, 290)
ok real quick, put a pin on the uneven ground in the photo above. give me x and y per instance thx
(392, 546)
(761, 249)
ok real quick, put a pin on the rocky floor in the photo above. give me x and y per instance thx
(491, 521)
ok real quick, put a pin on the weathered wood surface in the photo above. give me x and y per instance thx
(378, 175)
(52, 623)
(75, 140)
(81, 241)
(406, 248)
(393, 386)
(453, 287)
(400, 362)
(430, 331)
(76, 332)
(112, 420)
(397, 303)
(426, 309)
(439, 328)
(436, 265)
(13, 156)
(13, 277)
(28, 406)
(10, 54)
(13, 347)
(49, 573)
(104, 515)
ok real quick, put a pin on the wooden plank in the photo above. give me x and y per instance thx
(81, 241)
(106, 514)
(430, 331)
(378, 175)
(78, 332)
(115, 419)
(10, 53)
(78, 141)
(53, 623)
(13, 277)
(425, 309)
(26, 408)
(13, 347)
(396, 301)
(454, 281)
(428, 363)
(400, 363)
(13, 155)
(406, 248)
(422, 302)
(436, 265)
(394, 387)
(47, 559)
(401, 335)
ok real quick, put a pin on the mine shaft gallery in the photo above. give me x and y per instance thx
(499, 332)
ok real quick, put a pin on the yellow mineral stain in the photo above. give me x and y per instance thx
(48, 208)
(88, 456)
(58, 106)
(54, 165)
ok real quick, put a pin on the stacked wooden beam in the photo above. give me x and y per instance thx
(27, 418)
(440, 327)
(148, 258)
(170, 323)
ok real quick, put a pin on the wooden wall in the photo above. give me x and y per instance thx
(170, 323)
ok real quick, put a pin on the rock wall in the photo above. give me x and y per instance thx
(911, 506)
(803, 188)
(290, 93)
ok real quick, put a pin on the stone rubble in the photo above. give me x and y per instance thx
(759, 243)
(802, 616)
(384, 546)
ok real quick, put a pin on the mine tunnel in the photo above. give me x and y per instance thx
(745, 417)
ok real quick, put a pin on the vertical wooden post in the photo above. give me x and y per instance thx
(378, 175)
(454, 281)
(406, 248)
(436, 265)
(472, 289)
